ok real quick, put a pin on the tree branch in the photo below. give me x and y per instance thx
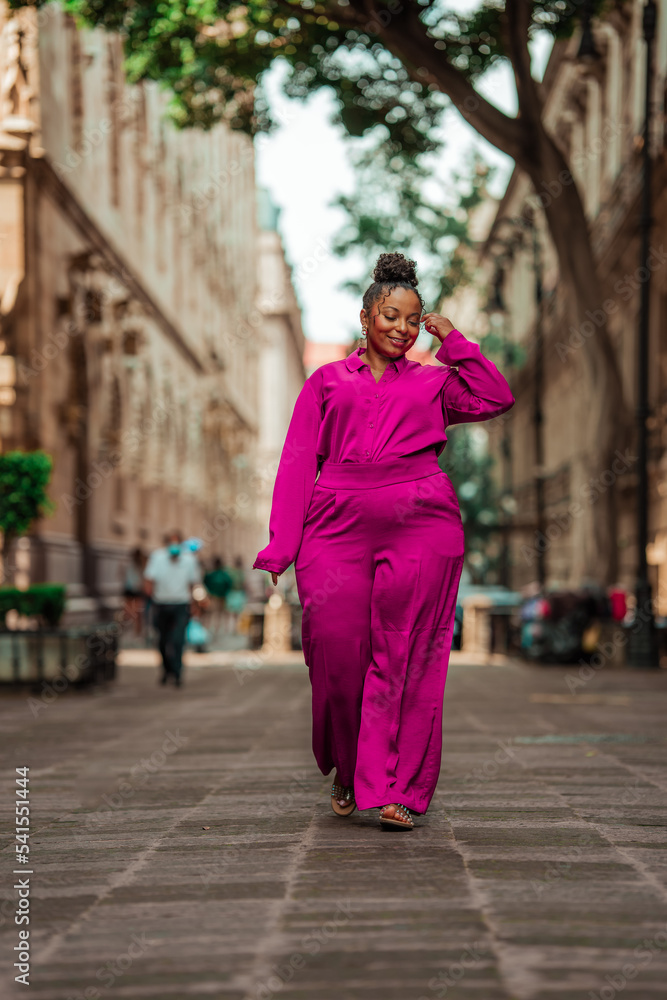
(515, 24)
(347, 14)
(350, 14)
(405, 35)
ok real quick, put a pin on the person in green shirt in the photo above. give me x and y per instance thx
(218, 582)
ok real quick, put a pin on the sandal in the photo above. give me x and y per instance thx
(401, 817)
(342, 792)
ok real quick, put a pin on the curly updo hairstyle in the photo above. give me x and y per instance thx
(393, 270)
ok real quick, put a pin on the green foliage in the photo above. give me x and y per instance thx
(43, 600)
(400, 204)
(470, 468)
(211, 54)
(474, 42)
(504, 353)
(24, 477)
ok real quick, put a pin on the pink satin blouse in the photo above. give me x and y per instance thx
(343, 415)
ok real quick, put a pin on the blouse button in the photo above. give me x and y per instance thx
(370, 425)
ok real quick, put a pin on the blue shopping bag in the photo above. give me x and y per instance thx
(195, 633)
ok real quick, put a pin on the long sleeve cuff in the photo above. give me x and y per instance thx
(455, 347)
(269, 565)
(293, 488)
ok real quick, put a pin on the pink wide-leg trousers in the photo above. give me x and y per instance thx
(377, 574)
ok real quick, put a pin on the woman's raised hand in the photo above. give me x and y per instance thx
(274, 577)
(438, 325)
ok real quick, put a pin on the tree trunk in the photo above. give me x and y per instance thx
(610, 426)
(526, 140)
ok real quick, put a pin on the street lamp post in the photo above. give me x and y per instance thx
(497, 311)
(642, 647)
(538, 414)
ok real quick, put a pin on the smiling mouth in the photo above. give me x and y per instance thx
(398, 340)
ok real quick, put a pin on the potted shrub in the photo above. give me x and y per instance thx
(57, 657)
(24, 478)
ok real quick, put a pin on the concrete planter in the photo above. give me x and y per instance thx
(76, 656)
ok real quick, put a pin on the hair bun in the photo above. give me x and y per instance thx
(392, 267)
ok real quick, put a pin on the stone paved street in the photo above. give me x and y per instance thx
(183, 844)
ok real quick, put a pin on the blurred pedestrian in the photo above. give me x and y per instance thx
(618, 603)
(133, 590)
(171, 573)
(237, 596)
(218, 581)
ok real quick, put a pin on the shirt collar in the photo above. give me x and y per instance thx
(354, 362)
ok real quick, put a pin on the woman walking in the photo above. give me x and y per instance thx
(377, 544)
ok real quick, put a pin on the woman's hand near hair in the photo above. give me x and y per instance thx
(437, 325)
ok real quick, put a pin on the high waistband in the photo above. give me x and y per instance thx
(368, 475)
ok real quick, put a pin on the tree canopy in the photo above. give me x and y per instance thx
(396, 65)
(210, 53)
(394, 68)
(405, 207)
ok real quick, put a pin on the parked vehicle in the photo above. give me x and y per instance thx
(562, 626)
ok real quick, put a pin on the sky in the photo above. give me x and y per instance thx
(304, 164)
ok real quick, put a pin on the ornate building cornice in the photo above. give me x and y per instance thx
(49, 183)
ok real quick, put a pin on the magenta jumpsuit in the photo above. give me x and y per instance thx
(377, 546)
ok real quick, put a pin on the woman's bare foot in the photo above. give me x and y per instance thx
(396, 815)
(342, 798)
(342, 801)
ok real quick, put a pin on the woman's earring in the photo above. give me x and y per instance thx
(363, 332)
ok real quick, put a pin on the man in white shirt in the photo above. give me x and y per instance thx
(170, 575)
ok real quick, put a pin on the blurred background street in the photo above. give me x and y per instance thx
(175, 261)
(192, 199)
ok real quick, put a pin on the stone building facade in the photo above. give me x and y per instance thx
(596, 112)
(130, 328)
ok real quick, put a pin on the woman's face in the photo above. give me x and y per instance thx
(393, 325)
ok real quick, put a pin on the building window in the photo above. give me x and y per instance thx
(75, 83)
(119, 492)
(140, 152)
(114, 95)
(144, 504)
(160, 198)
(113, 424)
(92, 306)
(130, 342)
